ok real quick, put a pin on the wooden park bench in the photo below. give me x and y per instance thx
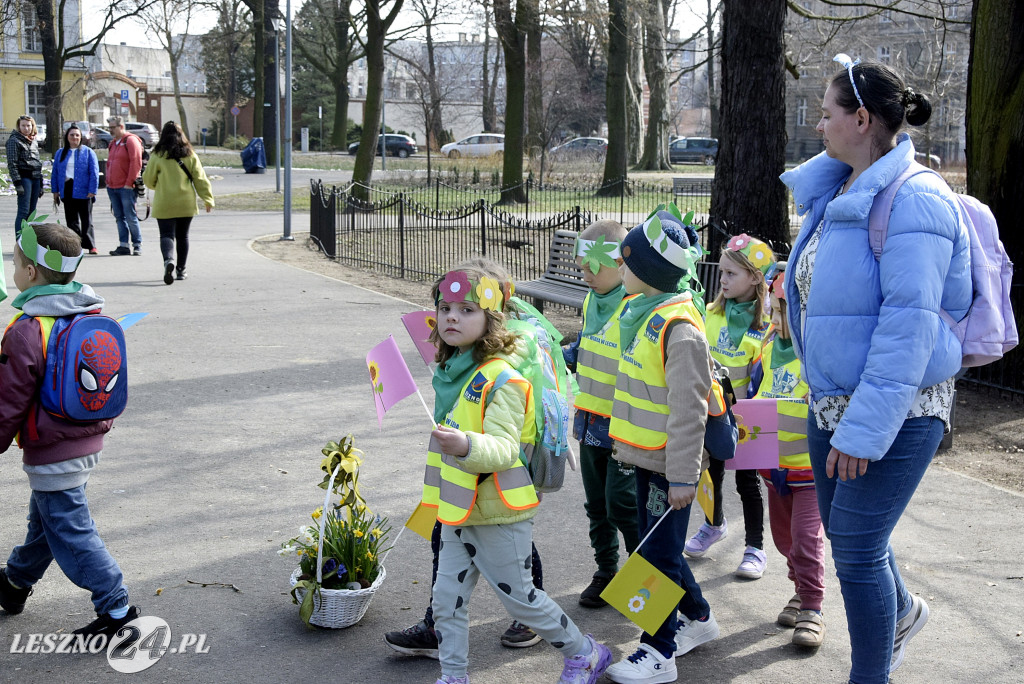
(691, 187)
(562, 281)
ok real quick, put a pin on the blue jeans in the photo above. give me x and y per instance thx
(664, 550)
(27, 201)
(859, 516)
(122, 202)
(61, 528)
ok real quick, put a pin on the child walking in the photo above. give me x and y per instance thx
(792, 499)
(58, 456)
(658, 418)
(609, 484)
(477, 477)
(736, 324)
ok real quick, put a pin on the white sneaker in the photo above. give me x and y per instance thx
(646, 666)
(706, 535)
(692, 633)
(753, 564)
(906, 628)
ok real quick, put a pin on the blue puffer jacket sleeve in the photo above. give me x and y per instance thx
(872, 328)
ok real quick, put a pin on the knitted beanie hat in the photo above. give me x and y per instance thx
(662, 250)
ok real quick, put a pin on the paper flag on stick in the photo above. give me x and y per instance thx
(758, 443)
(643, 594)
(422, 520)
(706, 495)
(128, 320)
(389, 376)
(420, 324)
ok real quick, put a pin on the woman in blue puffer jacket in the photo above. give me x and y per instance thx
(876, 354)
(75, 179)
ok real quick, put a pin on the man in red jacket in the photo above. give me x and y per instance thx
(124, 164)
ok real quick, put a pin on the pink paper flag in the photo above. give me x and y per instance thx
(420, 324)
(758, 444)
(389, 376)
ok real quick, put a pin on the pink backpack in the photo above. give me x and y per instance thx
(988, 330)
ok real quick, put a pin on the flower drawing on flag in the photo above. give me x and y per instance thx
(375, 381)
(431, 321)
(746, 433)
(488, 294)
(454, 287)
(636, 604)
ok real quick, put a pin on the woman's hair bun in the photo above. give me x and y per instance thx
(919, 109)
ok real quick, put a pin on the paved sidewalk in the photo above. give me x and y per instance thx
(240, 374)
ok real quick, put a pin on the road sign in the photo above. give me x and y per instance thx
(124, 96)
(204, 131)
(235, 111)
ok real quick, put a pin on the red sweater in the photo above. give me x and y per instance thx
(124, 161)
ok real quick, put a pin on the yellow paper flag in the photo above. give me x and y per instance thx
(706, 495)
(422, 520)
(643, 594)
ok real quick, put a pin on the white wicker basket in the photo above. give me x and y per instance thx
(338, 608)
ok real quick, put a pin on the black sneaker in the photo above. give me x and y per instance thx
(591, 596)
(137, 251)
(168, 272)
(182, 273)
(12, 598)
(519, 635)
(120, 251)
(418, 640)
(104, 624)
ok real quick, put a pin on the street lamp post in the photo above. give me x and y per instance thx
(288, 122)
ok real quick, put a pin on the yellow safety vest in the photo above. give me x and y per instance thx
(785, 384)
(640, 408)
(738, 361)
(597, 363)
(451, 489)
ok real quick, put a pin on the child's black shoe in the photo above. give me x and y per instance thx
(104, 624)
(12, 598)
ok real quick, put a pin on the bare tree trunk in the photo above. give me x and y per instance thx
(712, 89)
(52, 72)
(616, 94)
(269, 71)
(342, 38)
(655, 149)
(435, 124)
(635, 103)
(512, 32)
(747, 193)
(534, 90)
(995, 119)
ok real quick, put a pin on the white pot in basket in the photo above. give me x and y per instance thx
(338, 608)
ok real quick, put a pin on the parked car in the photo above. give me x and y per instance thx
(395, 145)
(585, 149)
(147, 132)
(693, 151)
(932, 161)
(483, 145)
(101, 138)
(40, 133)
(84, 126)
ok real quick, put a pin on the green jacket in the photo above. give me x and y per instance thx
(173, 196)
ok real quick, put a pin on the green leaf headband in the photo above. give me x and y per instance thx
(674, 253)
(456, 287)
(597, 253)
(44, 256)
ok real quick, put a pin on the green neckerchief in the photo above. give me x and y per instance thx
(600, 308)
(739, 316)
(41, 290)
(637, 310)
(449, 379)
(782, 352)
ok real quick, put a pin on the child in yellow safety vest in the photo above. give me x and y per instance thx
(609, 484)
(792, 499)
(659, 415)
(478, 481)
(736, 323)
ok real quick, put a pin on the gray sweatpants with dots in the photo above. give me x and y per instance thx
(502, 554)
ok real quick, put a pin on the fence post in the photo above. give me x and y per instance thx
(622, 200)
(332, 236)
(401, 233)
(529, 182)
(578, 229)
(437, 194)
(483, 229)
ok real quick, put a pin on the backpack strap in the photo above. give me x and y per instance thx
(45, 326)
(881, 208)
(503, 377)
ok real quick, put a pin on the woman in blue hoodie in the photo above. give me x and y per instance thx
(75, 179)
(878, 358)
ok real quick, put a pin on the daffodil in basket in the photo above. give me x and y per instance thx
(340, 563)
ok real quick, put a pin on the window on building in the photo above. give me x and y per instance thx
(410, 91)
(35, 101)
(801, 111)
(885, 54)
(31, 41)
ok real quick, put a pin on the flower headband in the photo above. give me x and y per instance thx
(44, 256)
(756, 251)
(456, 287)
(597, 253)
(776, 276)
(848, 64)
(674, 253)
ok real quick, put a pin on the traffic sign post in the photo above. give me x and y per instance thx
(235, 111)
(204, 140)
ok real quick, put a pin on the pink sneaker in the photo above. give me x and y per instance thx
(586, 669)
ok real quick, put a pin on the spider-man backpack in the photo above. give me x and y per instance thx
(86, 377)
